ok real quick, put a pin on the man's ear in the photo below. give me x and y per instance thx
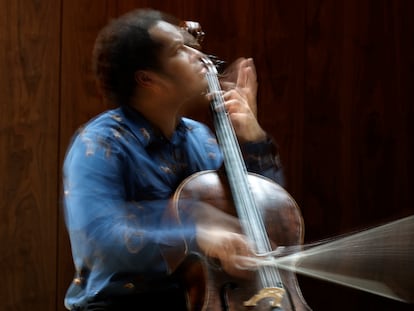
(146, 79)
(142, 78)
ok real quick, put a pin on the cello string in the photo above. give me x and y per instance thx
(237, 174)
(378, 260)
(237, 171)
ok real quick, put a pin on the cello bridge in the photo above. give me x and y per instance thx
(275, 293)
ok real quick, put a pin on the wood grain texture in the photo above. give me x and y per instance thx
(29, 88)
(358, 108)
(358, 112)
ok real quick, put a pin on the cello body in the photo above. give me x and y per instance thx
(208, 287)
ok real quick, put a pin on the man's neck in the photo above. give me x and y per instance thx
(162, 115)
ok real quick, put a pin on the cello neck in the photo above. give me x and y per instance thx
(235, 167)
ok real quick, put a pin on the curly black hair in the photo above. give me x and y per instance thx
(121, 48)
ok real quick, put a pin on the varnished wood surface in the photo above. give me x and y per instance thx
(335, 83)
(29, 123)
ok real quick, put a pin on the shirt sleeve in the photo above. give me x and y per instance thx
(107, 230)
(263, 158)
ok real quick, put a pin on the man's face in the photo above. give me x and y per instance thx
(183, 72)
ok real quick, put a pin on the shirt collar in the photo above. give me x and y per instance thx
(145, 132)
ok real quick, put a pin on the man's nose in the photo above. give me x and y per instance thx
(196, 54)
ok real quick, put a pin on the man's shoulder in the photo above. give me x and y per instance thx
(103, 123)
(105, 118)
(100, 128)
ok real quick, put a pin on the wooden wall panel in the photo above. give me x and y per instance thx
(384, 40)
(358, 116)
(358, 107)
(321, 144)
(29, 105)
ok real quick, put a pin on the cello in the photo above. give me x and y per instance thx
(267, 215)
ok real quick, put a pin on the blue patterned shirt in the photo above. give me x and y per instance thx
(119, 173)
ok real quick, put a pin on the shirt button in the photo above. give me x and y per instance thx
(129, 285)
